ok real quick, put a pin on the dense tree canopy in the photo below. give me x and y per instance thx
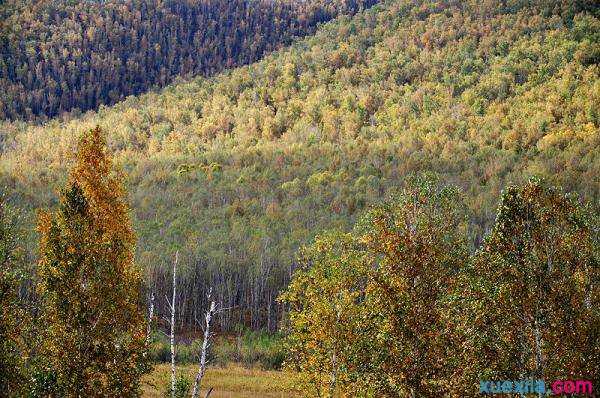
(239, 170)
(368, 310)
(399, 308)
(56, 56)
(532, 294)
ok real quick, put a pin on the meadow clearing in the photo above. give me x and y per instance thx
(232, 381)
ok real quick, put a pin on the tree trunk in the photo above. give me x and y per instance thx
(149, 330)
(150, 315)
(173, 326)
(202, 368)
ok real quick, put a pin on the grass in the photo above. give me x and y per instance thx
(232, 381)
(246, 348)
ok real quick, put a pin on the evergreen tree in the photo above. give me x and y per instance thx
(89, 283)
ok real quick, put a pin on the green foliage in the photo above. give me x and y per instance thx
(183, 386)
(12, 364)
(367, 312)
(418, 243)
(94, 335)
(483, 93)
(250, 349)
(532, 295)
(43, 382)
(329, 321)
(400, 308)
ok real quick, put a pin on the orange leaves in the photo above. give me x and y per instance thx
(89, 283)
(102, 189)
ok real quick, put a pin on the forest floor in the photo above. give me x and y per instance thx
(232, 381)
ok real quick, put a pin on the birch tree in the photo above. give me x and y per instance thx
(172, 307)
(95, 336)
(329, 322)
(367, 309)
(205, 344)
(533, 293)
(150, 317)
(417, 242)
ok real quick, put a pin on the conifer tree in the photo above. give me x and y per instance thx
(89, 283)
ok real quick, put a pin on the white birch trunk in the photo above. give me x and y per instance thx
(173, 326)
(202, 368)
(150, 316)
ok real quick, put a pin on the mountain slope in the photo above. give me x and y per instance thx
(56, 56)
(239, 170)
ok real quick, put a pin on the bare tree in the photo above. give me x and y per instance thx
(202, 369)
(172, 322)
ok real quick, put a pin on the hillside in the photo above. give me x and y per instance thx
(239, 169)
(57, 56)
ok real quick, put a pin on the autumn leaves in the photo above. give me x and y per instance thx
(399, 307)
(403, 305)
(94, 335)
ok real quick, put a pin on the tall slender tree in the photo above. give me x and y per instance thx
(329, 326)
(89, 283)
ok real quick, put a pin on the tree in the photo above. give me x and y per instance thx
(532, 299)
(11, 364)
(173, 307)
(418, 243)
(203, 353)
(368, 309)
(90, 285)
(68, 57)
(328, 322)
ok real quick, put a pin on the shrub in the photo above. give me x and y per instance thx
(247, 348)
(183, 385)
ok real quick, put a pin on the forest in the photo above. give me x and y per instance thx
(60, 56)
(226, 169)
(432, 161)
(401, 306)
